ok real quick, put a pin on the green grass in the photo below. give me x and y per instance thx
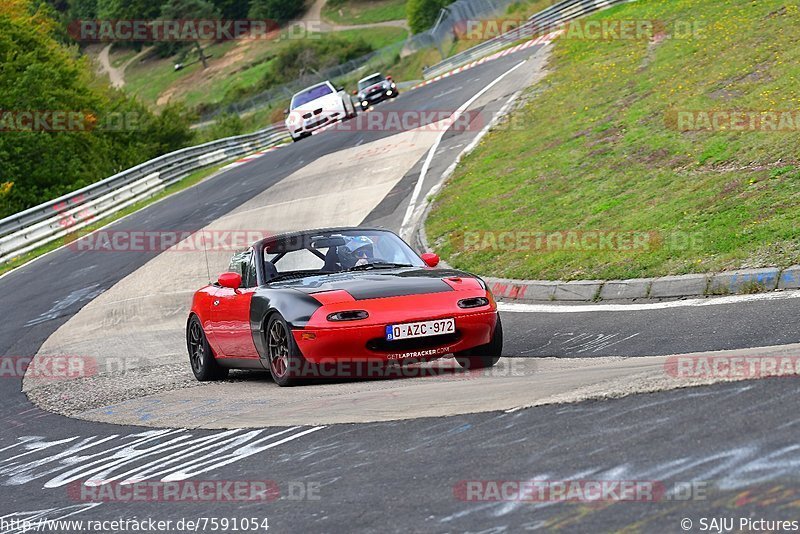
(150, 78)
(250, 76)
(215, 92)
(593, 149)
(192, 179)
(349, 12)
(117, 60)
(411, 66)
(376, 37)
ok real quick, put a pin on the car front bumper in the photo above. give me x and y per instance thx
(315, 123)
(376, 98)
(324, 341)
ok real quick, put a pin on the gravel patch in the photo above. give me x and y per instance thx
(71, 397)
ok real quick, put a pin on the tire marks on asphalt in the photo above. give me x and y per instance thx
(579, 343)
(165, 455)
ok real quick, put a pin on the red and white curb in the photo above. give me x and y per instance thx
(543, 39)
(251, 157)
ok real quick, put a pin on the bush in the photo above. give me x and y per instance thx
(422, 14)
(40, 74)
(301, 58)
(227, 125)
(278, 10)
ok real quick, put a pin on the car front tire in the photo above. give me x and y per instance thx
(486, 355)
(201, 358)
(286, 362)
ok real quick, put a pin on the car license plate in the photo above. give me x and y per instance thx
(421, 329)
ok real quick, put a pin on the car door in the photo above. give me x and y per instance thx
(230, 312)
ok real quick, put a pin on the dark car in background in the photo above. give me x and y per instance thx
(375, 88)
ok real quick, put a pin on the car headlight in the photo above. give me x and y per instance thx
(393, 85)
(354, 315)
(475, 302)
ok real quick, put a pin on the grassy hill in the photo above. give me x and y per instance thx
(235, 67)
(363, 11)
(241, 68)
(598, 147)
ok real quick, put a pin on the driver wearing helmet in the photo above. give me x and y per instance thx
(357, 251)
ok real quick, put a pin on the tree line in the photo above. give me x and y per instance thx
(44, 73)
(62, 128)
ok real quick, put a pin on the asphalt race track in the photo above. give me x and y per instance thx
(720, 450)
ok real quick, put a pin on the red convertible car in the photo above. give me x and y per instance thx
(296, 301)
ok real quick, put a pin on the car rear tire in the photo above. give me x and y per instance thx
(201, 358)
(483, 356)
(286, 362)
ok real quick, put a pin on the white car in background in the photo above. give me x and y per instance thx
(317, 106)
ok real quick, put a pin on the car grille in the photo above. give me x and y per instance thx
(321, 120)
(309, 114)
(380, 344)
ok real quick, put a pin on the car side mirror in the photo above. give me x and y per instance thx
(230, 280)
(340, 88)
(389, 78)
(355, 93)
(286, 111)
(430, 259)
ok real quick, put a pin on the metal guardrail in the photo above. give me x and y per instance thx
(545, 21)
(43, 224)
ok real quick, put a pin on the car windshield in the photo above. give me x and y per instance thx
(310, 95)
(323, 253)
(372, 80)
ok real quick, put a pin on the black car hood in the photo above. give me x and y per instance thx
(379, 283)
